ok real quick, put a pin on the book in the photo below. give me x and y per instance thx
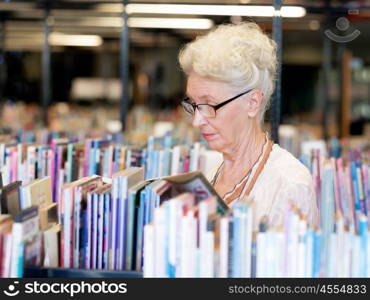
(51, 238)
(48, 214)
(6, 223)
(197, 184)
(133, 226)
(26, 241)
(37, 192)
(11, 198)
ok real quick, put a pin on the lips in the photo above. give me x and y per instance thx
(208, 136)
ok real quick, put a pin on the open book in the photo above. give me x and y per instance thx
(195, 183)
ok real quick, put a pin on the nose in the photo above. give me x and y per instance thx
(198, 119)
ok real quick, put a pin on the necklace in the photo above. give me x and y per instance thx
(244, 178)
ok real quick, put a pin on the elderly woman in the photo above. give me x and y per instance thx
(230, 79)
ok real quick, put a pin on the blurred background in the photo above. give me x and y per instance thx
(74, 65)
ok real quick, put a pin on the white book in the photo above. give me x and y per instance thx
(339, 247)
(209, 258)
(269, 263)
(248, 243)
(194, 157)
(17, 255)
(175, 161)
(261, 254)
(8, 242)
(224, 247)
(332, 257)
(243, 240)
(188, 246)
(203, 214)
(356, 257)
(347, 257)
(279, 255)
(302, 229)
(51, 250)
(179, 225)
(174, 211)
(149, 252)
(292, 237)
(160, 242)
(26, 197)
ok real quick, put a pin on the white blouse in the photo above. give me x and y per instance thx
(283, 180)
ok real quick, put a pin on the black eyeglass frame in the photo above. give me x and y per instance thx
(215, 107)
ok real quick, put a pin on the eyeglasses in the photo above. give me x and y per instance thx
(207, 110)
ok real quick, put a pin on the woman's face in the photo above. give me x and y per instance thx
(228, 128)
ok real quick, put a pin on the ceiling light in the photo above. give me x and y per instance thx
(222, 10)
(59, 39)
(175, 23)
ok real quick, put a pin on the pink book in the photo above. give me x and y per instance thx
(14, 166)
(52, 165)
(336, 185)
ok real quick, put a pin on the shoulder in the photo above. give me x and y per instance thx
(291, 182)
(284, 165)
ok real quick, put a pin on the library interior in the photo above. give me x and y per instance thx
(184, 138)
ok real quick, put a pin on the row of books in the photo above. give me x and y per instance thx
(342, 185)
(98, 222)
(102, 222)
(188, 243)
(183, 242)
(177, 226)
(66, 161)
(28, 235)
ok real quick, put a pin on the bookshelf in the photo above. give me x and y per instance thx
(38, 272)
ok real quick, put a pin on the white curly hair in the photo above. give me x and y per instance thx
(239, 54)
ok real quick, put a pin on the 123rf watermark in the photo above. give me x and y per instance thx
(343, 33)
(68, 289)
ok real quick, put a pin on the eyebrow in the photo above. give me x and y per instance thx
(207, 98)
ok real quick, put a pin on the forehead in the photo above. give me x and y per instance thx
(199, 86)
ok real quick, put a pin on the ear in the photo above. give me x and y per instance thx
(254, 102)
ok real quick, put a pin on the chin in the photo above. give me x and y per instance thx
(214, 145)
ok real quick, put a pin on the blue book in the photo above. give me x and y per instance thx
(316, 254)
(70, 162)
(363, 232)
(237, 244)
(231, 256)
(106, 229)
(309, 240)
(355, 186)
(84, 239)
(140, 231)
(133, 198)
